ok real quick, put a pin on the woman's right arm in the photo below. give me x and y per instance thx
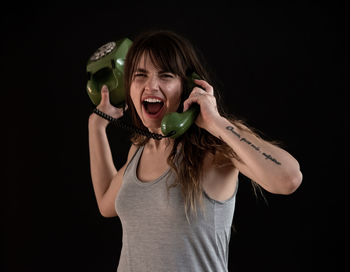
(105, 177)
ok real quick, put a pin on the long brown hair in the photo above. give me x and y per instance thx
(174, 53)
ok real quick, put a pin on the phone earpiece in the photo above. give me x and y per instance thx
(106, 66)
(175, 124)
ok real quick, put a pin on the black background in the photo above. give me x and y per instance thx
(279, 67)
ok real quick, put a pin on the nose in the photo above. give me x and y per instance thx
(152, 83)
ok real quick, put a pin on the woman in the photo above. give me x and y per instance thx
(176, 197)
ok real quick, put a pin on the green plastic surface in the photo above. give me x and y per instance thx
(108, 70)
(176, 124)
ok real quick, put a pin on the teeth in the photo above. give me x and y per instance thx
(153, 100)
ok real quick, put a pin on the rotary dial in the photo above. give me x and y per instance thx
(103, 51)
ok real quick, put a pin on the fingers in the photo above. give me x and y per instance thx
(195, 97)
(104, 95)
(205, 85)
(106, 107)
(203, 92)
(187, 104)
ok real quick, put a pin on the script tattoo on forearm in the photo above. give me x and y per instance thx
(244, 140)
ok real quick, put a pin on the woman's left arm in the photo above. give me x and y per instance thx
(270, 166)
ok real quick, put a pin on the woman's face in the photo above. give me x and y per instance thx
(154, 93)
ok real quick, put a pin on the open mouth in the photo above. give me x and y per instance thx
(153, 106)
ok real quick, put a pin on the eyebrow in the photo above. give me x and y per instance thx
(141, 70)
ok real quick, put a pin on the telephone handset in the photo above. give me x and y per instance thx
(176, 123)
(106, 66)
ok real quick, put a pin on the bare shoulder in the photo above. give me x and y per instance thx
(132, 150)
(220, 177)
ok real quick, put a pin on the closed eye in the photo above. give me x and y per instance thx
(167, 75)
(139, 75)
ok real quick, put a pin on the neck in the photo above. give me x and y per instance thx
(160, 145)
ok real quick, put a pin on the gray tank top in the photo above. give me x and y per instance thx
(156, 234)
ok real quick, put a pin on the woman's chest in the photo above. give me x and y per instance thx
(151, 166)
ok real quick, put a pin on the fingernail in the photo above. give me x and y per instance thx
(104, 88)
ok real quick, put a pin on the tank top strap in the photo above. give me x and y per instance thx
(133, 163)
